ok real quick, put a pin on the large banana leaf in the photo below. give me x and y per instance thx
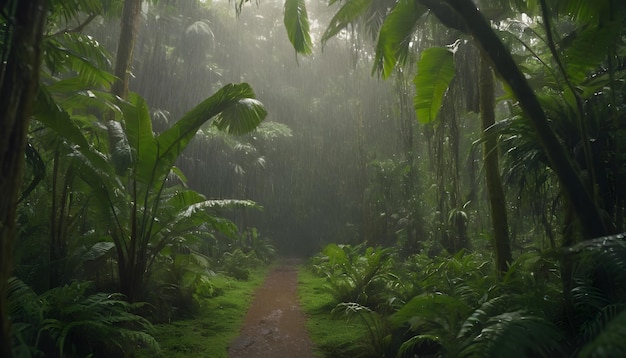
(435, 70)
(235, 110)
(297, 24)
(396, 34)
(140, 138)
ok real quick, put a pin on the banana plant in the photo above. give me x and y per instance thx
(137, 208)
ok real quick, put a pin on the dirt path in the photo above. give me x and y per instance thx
(274, 326)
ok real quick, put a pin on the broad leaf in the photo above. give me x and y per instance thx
(297, 24)
(435, 70)
(121, 153)
(238, 112)
(191, 209)
(140, 138)
(348, 13)
(241, 117)
(396, 34)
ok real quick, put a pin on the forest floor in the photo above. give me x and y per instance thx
(275, 325)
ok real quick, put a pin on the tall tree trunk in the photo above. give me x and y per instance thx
(463, 15)
(129, 28)
(19, 80)
(497, 202)
(130, 281)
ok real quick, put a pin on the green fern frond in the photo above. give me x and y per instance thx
(610, 342)
(597, 325)
(479, 318)
(408, 345)
(516, 335)
(76, 322)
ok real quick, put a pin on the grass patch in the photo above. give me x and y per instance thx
(333, 337)
(215, 327)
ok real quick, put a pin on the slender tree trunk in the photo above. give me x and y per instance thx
(129, 276)
(463, 15)
(19, 80)
(129, 28)
(497, 202)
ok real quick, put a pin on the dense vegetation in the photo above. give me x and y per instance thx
(134, 184)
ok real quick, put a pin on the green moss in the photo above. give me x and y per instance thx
(333, 337)
(214, 328)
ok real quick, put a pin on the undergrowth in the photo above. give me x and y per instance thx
(332, 335)
(211, 330)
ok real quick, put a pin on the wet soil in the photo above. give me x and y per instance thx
(275, 326)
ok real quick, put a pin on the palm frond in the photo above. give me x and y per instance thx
(396, 33)
(78, 54)
(349, 12)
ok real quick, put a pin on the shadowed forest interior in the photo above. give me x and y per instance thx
(451, 172)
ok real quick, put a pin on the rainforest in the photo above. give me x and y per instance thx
(312, 178)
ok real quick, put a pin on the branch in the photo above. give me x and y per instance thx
(78, 28)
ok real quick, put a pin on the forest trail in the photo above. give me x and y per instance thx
(275, 326)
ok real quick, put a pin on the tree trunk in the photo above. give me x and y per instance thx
(19, 80)
(587, 211)
(130, 278)
(497, 202)
(129, 28)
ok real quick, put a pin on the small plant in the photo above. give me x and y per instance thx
(353, 272)
(237, 264)
(67, 322)
(378, 337)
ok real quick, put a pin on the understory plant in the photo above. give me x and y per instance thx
(354, 273)
(68, 321)
(457, 307)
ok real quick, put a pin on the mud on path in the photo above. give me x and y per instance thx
(275, 326)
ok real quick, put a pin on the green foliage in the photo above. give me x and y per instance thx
(453, 306)
(334, 336)
(129, 182)
(349, 12)
(297, 24)
(66, 321)
(435, 71)
(610, 341)
(237, 264)
(375, 343)
(210, 331)
(597, 294)
(516, 334)
(353, 272)
(183, 282)
(394, 38)
(80, 56)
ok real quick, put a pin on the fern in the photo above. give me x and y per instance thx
(478, 319)
(515, 334)
(376, 342)
(67, 322)
(610, 342)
